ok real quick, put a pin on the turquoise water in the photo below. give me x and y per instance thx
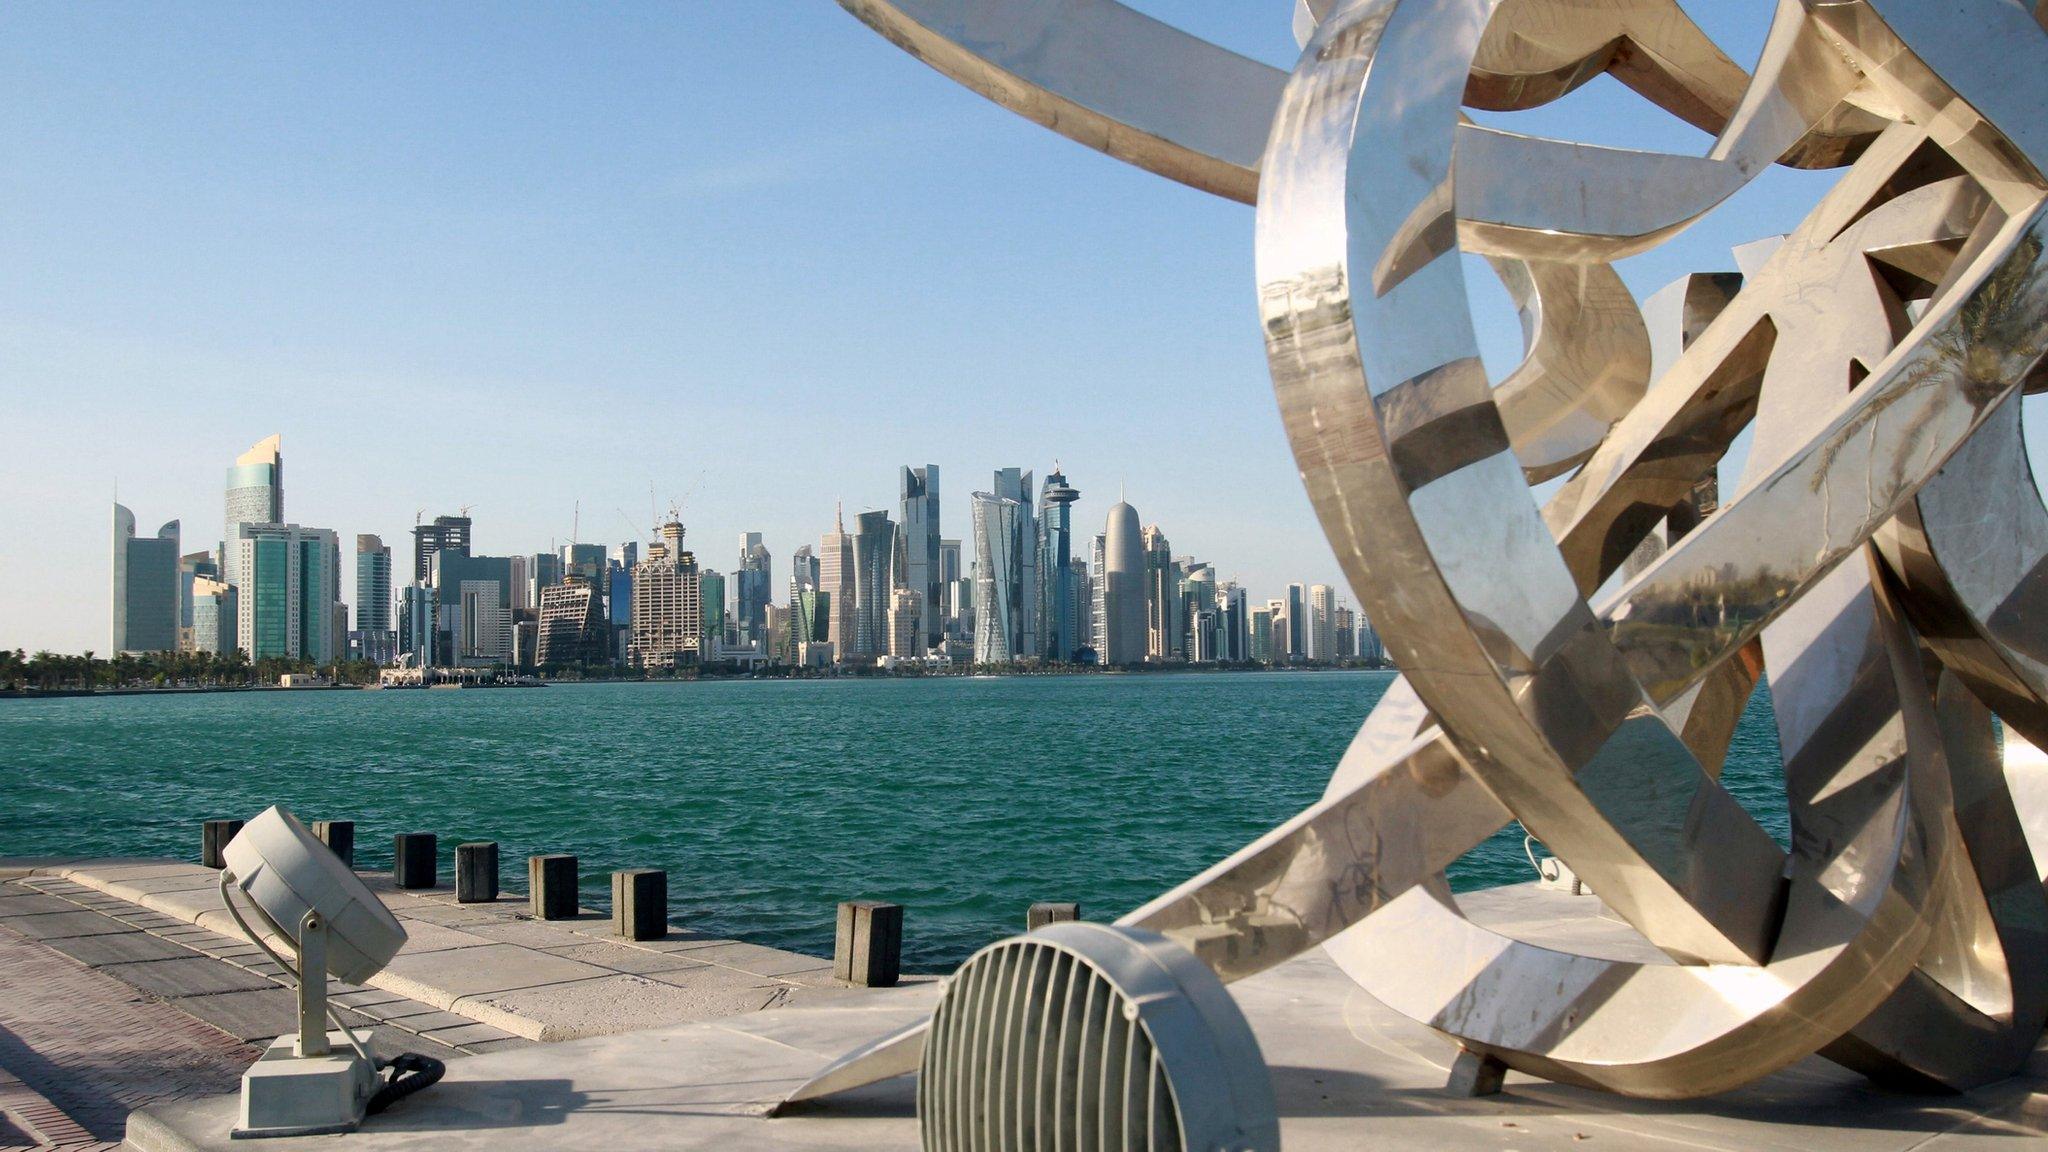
(766, 801)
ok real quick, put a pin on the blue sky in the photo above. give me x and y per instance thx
(517, 256)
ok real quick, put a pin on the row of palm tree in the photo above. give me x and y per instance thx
(52, 671)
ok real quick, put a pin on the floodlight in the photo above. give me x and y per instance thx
(1085, 1035)
(315, 1081)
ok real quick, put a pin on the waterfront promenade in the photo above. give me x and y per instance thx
(1347, 1072)
(125, 1012)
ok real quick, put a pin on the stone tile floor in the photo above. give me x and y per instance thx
(80, 1050)
(123, 983)
(106, 1007)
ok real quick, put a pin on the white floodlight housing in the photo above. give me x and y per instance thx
(314, 1081)
(1085, 1035)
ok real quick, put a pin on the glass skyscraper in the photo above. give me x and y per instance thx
(874, 566)
(255, 495)
(1007, 595)
(918, 553)
(377, 639)
(285, 604)
(145, 588)
(1058, 629)
(756, 587)
(998, 617)
(711, 612)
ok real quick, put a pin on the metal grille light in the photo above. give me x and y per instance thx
(1091, 1036)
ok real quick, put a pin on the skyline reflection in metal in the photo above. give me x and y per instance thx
(1883, 559)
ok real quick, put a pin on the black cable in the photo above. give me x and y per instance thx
(410, 1072)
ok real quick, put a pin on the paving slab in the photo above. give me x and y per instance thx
(758, 960)
(427, 936)
(466, 1033)
(119, 948)
(187, 976)
(25, 903)
(414, 1016)
(543, 934)
(253, 1014)
(441, 978)
(623, 959)
(456, 915)
(385, 1041)
(586, 1007)
(58, 925)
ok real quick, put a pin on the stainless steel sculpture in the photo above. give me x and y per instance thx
(1882, 559)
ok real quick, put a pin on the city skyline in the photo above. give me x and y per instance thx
(482, 536)
(272, 588)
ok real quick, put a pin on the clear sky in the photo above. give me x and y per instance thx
(517, 256)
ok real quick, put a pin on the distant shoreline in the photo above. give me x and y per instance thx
(872, 674)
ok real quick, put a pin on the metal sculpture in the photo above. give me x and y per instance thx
(1882, 558)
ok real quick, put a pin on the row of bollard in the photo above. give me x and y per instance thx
(867, 945)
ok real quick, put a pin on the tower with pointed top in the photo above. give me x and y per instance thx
(836, 579)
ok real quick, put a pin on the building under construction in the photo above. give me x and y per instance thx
(668, 610)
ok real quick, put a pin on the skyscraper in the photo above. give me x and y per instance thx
(949, 574)
(711, 607)
(587, 561)
(918, 550)
(192, 567)
(1165, 631)
(1198, 614)
(1098, 628)
(419, 632)
(1025, 577)
(213, 616)
(145, 611)
(544, 571)
(255, 495)
(1081, 605)
(803, 567)
(1322, 622)
(483, 633)
(473, 601)
(835, 579)
(756, 586)
(668, 616)
(1123, 639)
(1007, 591)
(874, 564)
(378, 639)
(1297, 622)
(522, 583)
(906, 624)
(285, 604)
(1058, 628)
(1347, 636)
(449, 532)
(1259, 636)
(808, 609)
(1234, 622)
(573, 630)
